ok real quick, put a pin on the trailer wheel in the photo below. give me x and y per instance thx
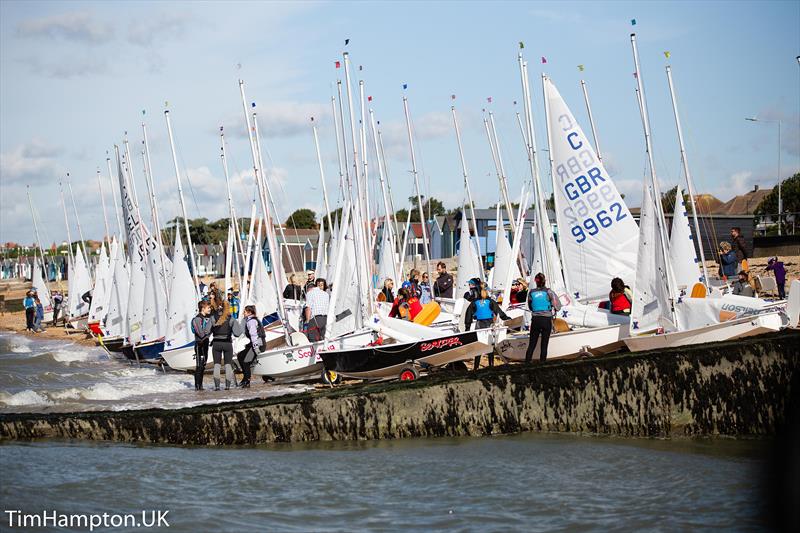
(408, 374)
(330, 377)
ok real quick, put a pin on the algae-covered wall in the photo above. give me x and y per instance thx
(738, 388)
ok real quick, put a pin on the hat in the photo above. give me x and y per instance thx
(309, 272)
(406, 285)
(475, 281)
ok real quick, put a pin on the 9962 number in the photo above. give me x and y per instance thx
(591, 226)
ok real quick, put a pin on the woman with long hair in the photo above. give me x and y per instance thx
(224, 329)
(543, 304)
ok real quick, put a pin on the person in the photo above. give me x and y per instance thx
(741, 287)
(293, 291)
(201, 327)
(779, 270)
(322, 284)
(39, 315)
(484, 311)
(316, 311)
(413, 281)
(310, 276)
(387, 293)
(254, 332)
(426, 293)
(58, 300)
(519, 291)
(224, 329)
(543, 304)
(30, 310)
(214, 294)
(727, 261)
(202, 287)
(739, 246)
(406, 306)
(620, 298)
(443, 286)
(473, 291)
(233, 301)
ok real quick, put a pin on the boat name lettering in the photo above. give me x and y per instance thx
(440, 343)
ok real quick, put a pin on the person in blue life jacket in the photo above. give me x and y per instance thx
(543, 304)
(473, 290)
(201, 327)
(39, 315)
(30, 310)
(233, 301)
(484, 310)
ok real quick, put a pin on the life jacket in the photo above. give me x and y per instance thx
(539, 300)
(202, 319)
(259, 332)
(620, 302)
(414, 307)
(223, 332)
(483, 309)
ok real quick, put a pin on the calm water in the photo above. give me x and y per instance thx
(526, 482)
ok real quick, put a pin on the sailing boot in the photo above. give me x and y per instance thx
(216, 384)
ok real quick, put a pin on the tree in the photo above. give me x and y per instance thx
(668, 200)
(431, 207)
(302, 219)
(790, 194)
(335, 215)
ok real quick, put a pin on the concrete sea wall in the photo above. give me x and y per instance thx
(737, 388)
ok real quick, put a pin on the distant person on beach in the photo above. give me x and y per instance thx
(741, 287)
(293, 291)
(543, 304)
(406, 305)
(779, 270)
(224, 329)
(413, 281)
(519, 291)
(484, 311)
(426, 293)
(739, 247)
(38, 315)
(254, 332)
(387, 292)
(58, 300)
(316, 311)
(30, 310)
(201, 327)
(727, 261)
(233, 301)
(443, 286)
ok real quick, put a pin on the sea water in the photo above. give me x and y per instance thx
(529, 482)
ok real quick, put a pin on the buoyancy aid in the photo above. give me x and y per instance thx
(539, 300)
(414, 307)
(483, 309)
(620, 303)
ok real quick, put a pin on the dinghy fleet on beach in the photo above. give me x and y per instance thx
(142, 300)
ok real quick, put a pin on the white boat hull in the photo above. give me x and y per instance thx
(180, 359)
(733, 329)
(570, 343)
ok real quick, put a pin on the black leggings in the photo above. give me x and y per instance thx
(222, 350)
(482, 324)
(30, 314)
(200, 358)
(540, 325)
(248, 353)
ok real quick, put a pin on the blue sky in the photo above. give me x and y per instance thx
(74, 76)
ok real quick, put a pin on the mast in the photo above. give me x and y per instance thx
(234, 226)
(103, 202)
(322, 170)
(591, 121)
(416, 185)
(654, 180)
(153, 202)
(688, 174)
(382, 157)
(35, 226)
(114, 201)
(78, 220)
(466, 185)
(338, 149)
(66, 219)
(343, 154)
(388, 224)
(503, 178)
(189, 245)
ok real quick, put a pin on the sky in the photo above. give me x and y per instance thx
(75, 76)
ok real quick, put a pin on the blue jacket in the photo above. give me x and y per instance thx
(29, 303)
(728, 263)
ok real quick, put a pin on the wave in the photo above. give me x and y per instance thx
(24, 398)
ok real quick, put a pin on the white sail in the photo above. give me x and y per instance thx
(117, 317)
(682, 254)
(333, 245)
(136, 299)
(345, 309)
(229, 258)
(262, 292)
(102, 283)
(598, 235)
(504, 261)
(42, 290)
(322, 257)
(651, 307)
(387, 264)
(154, 307)
(468, 261)
(80, 285)
(182, 300)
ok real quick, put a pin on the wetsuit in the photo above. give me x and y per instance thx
(543, 303)
(201, 327)
(222, 349)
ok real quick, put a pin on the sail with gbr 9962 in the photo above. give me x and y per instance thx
(597, 234)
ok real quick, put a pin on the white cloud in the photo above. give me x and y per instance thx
(283, 119)
(77, 26)
(33, 162)
(161, 26)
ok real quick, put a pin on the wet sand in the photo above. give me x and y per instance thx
(15, 322)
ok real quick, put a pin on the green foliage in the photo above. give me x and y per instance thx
(431, 207)
(335, 215)
(668, 200)
(302, 219)
(790, 194)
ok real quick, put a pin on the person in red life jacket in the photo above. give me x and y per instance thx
(543, 304)
(406, 305)
(484, 311)
(620, 298)
(519, 291)
(413, 283)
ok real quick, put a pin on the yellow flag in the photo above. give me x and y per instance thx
(666, 54)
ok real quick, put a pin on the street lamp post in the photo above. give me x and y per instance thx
(780, 196)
